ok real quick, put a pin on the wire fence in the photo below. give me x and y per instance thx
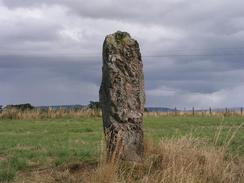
(198, 112)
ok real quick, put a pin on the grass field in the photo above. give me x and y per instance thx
(30, 145)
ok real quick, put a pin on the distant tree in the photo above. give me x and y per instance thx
(146, 109)
(94, 105)
(21, 107)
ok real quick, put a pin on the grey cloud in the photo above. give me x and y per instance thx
(73, 69)
(48, 81)
(200, 44)
(199, 14)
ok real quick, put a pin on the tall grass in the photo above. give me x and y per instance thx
(49, 113)
(184, 160)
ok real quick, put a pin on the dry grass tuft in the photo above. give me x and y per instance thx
(191, 161)
(184, 160)
(48, 114)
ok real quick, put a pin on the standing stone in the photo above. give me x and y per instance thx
(122, 97)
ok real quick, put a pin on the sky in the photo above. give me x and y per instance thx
(192, 50)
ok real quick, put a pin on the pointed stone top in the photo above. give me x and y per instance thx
(119, 38)
(121, 35)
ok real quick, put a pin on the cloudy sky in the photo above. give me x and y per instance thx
(193, 50)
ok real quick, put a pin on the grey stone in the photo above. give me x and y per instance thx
(122, 97)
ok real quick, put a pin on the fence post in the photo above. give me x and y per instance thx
(210, 111)
(241, 110)
(226, 110)
(175, 111)
(193, 111)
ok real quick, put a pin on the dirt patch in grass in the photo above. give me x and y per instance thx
(79, 168)
(70, 173)
(2, 158)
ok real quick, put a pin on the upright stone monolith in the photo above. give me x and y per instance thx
(122, 97)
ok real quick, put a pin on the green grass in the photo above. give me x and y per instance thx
(37, 144)
(203, 127)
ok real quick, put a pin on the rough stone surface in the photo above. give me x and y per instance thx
(122, 96)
